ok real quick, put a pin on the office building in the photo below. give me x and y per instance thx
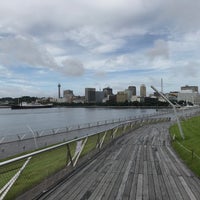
(132, 89)
(107, 91)
(99, 96)
(90, 95)
(188, 96)
(68, 96)
(121, 97)
(142, 90)
(187, 87)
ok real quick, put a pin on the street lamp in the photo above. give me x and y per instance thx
(174, 108)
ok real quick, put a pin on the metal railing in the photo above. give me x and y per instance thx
(40, 139)
(37, 171)
(30, 133)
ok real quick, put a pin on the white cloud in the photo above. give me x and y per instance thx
(19, 50)
(160, 50)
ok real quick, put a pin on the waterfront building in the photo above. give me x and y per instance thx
(135, 98)
(90, 95)
(172, 96)
(121, 97)
(129, 94)
(68, 96)
(187, 87)
(79, 99)
(99, 96)
(142, 90)
(132, 89)
(107, 91)
(189, 96)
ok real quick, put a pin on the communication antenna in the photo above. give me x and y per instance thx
(161, 85)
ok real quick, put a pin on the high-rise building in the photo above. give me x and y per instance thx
(68, 95)
(187, 87)
(90, 95)
(99, 96)
(143, 90)
(107, 91)
(133, 90)
(121, 97)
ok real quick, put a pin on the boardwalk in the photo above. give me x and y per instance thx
(141, 165)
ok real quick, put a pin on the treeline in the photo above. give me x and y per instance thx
(14, 101)
(110, 104)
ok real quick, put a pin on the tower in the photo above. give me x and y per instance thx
(90, 95)
(161, 85)
(133, 90)
(59, 86)
(143, 90)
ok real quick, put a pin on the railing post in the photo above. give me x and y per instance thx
(98, 141)
(69, 156)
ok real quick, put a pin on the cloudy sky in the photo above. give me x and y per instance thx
(97, 43)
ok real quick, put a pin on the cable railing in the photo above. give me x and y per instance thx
(33, 173)
(35, 139)
(45, 132)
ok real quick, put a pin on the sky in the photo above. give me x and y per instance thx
(101, 43)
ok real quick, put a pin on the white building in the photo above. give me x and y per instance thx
(189, 96)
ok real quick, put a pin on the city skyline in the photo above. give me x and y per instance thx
(99, 44)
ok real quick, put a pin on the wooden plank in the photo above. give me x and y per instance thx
(163, 188)
(136, 172)
(139, 187)
(181, 165)
(157, 189)
(60, 192)
(183, 193)
(109, 188)
(172, 165)
(176, 190)
(130, 179)
(118, 188)
(194, 182)
(145, 182)
(126, 174)
(110, 177)
(187, 188)
(169, 187)
(151, 187)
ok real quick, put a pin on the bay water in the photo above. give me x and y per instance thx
(14, 122)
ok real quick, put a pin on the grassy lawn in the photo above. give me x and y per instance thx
(191, 130)
(39, 167)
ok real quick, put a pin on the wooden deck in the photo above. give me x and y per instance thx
(140, 165)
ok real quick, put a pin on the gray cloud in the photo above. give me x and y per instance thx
(21, 51)
(72, 67)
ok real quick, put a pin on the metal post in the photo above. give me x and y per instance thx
(69, 155)
(174, 108)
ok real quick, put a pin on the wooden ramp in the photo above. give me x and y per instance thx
(141, 165)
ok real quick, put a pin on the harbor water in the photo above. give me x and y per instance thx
(13, 122)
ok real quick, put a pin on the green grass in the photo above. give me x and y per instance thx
(39, 168)
(191, 130)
